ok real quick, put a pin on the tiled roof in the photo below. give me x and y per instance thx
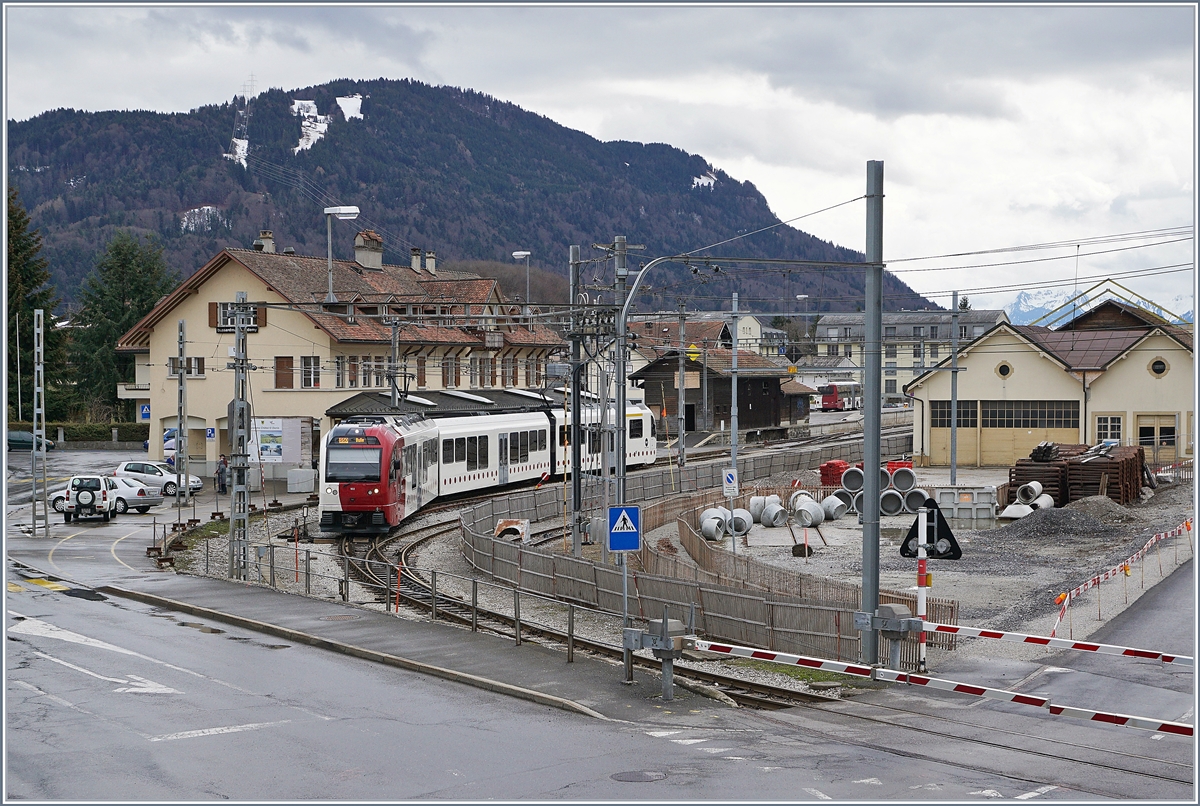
(665, 333)
(721, 362)
(794, 387)
(1086, 349)
(475, 291)
(539, 336)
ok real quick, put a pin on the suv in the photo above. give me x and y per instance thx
(91, 495)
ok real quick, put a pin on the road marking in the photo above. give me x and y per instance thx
(688, 741)
(49, 696)
(658, 734)
(871, 781)
(140, 684)
(50, 556)
(818, 794)
(191, 734)
(15, 588)
(716, 749)
(987, 793)
(54, 586)
(113, 551)
(1041, 790)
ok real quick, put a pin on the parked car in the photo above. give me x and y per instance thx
(131, 494)
(156, 475)
(91, 496)
(23, 441)
(167, 434)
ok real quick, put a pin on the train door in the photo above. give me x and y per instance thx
(503, 464)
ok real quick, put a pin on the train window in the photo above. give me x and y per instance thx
(635, 429)
(525, 446)
(514, 448)
(460, 449)
(352, 464)
(483, 453)
(447, 451)
(472, 453)
(395, 461)
(541, 441)
(562, 436)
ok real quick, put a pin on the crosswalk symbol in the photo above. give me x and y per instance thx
(624, 528)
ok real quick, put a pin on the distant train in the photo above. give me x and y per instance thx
(377, 470)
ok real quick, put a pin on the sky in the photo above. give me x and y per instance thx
(999, 127)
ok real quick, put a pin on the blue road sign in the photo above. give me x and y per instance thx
(210, 433)
(144, 411)
(624, 528)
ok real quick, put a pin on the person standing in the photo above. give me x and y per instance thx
(222, 474)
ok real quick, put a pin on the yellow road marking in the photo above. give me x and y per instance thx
(45, 583)
(15, 588)
(113, 551)
(50, 556)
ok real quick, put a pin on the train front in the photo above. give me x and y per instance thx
(358, 493)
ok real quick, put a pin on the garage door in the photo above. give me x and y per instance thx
(1158, 434)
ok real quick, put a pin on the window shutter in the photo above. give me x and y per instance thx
(213, 315)
(260, 316)
(283, 372)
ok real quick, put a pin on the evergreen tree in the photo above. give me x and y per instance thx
(130, 277)
(964, 303)
(28, 289)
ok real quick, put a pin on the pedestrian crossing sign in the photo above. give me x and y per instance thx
(624, 528)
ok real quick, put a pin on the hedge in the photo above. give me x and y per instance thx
(91, 432)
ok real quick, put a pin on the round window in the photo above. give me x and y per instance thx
(1159, 367)
(1005, 370)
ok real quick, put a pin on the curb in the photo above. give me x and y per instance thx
(484, 683)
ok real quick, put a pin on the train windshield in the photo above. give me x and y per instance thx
(352, 464)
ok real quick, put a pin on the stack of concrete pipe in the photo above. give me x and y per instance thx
(1029, 498)
(898, 491)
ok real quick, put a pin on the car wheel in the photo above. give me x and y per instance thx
(169, 488)
(122, 506)
(105, 516)
(59, 504)
(143, 510)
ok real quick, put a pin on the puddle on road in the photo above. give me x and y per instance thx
(201, 627)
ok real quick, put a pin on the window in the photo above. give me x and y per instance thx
(512, 372)
(918, 350)
(963, 330)
(283, 372)
(889, 351)
(507, 369)
(474, 372)
(933, 351)
(933, 331)
(447, 451)
(483, 453)
(221, 317)
(352, 362)
(524, 441)
(1108, 426)
(889, 387)
(831, 349)
(1030, 413)
(1158, 367)
(635, 429)
(1004, 370)
(446, 371)
(194, 365)
(541, 440)
(890, 368)
(310, 371)
(352, 464)
(472, 453)
(339, 371)
(976, 331)
(845, 333)
(420, 372)
(379, 370)
(831, 332)
(460, 449)
(514, 447)
(918, 331)
(939, 414)
(849, 350)
(889, 332)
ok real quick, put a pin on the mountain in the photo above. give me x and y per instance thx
(1032, 305)
(439, 168)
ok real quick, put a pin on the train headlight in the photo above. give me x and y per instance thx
(375, 491)
(329, 491)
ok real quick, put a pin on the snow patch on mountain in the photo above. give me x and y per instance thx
(312, 125)
(707, 181)
(202, 219)
(351, 106)
(240, 149)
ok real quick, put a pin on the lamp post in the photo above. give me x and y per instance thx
(343, 214)
(517, 256)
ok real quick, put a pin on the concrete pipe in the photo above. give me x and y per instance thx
(847, 497)
(1043, 501)
(904, 479)
(712, 512)
(834, 507)
(1026, 493)
(852, 479)
(728, 517)
(713, 528)
(795, 498)
(914, 499)
(890, 503)
(742, 521)
(774, 515)
(774, 499)
(885, 479)
(858, 502)
(1015, 511)
(810, 513)
(757, 504)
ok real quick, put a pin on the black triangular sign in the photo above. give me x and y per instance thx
(945, 547)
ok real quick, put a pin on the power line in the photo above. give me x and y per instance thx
(1095, 240)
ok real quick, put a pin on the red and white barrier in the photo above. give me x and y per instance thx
(893, 676)
(1094, 582)
(856, 669)
(1058, 643)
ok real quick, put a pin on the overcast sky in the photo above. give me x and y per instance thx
(998, 127)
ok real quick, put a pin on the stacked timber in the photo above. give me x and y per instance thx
(1112, 470)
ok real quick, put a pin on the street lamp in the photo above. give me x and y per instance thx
(343, 214)
(517, 256)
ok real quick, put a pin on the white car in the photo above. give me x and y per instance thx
(157, 475)
(131, 494)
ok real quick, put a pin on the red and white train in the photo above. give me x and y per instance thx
(377, 470)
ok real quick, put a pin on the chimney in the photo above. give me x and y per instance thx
(268, 240)
(416, 258)
(289, 250)
(368, 250)
(431, 262)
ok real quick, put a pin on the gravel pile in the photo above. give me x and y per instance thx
(1102, 508)
(1056, 524)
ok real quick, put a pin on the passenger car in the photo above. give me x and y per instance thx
(157, 475)
(91, 496)
(131, 494)
(23, 441)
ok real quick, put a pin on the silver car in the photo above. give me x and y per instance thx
(156, 475)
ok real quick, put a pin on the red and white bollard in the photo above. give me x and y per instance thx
(922, 576)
